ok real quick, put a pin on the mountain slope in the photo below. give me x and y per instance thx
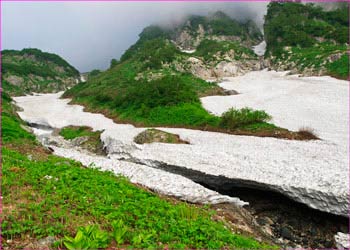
(305, 38)
(59, 197)
(31, 70)
(157, 83)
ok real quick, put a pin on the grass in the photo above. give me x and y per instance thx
(39, 71)
(91, 141)
(172, 100)
(57, 196)
(85, 207)
(340, 68)
(316, 57)
(239, 118)
(11, 125)
(72, 132)
(208, 48)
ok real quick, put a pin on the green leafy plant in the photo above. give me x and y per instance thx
(89, 237)
(119, 231)
(235, 118)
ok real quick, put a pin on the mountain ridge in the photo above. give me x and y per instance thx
(32, 70)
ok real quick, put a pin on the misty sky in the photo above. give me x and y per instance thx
(89, 34)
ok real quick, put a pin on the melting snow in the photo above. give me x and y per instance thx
(312, 172)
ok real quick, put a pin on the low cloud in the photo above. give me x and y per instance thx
(89, 34)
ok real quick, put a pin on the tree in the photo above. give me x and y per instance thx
(114, 62)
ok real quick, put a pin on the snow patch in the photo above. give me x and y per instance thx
(342, 240)
(157, 180)
(311, 172)
(188, 51)
(260, 49)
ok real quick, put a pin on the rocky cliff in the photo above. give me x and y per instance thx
(31, 70)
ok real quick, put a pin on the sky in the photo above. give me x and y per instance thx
(89, 34)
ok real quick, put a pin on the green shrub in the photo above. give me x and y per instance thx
(235, 118)
(89, 237)
(72, 132)
(298, 24)
(167, 91)
(340, 68)
(119, 231)
(76, 196)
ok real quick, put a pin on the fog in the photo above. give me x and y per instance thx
(89, 34)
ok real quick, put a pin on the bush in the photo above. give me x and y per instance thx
(235, 118)
(339, 68)
(89, 237)
(167, 91)
(307, 133)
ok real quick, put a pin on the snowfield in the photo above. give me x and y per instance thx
(320, 103)
(311, 172)
(260, 49)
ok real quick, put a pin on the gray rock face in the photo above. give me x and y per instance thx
(79, 140)
(14, 80)
(220, 69)
(42, 244)
(342, 240)
(187, 41)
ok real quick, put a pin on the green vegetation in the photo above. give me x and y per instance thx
(171, 100)
(296, 24)
(208, 48)
(318, 57)
(33, 70)
(11, 125)
(25, 60)
(58, 197)
(146, 88)
(114, 62)
(312, 34)
(72, 132)
(94, 72)
(89, 237)
(90, 140)
(340, 68)
(221, 24)
(237, 118)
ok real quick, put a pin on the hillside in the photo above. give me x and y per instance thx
(307, 39)
(43, 205)
(31, 70)
(158, 83)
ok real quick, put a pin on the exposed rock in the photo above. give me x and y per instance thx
(14, 80)
(79, 140)
(230, 92)
(42, 244)
(335, 57)
(342, 240)
(155, 135)
(286, 233)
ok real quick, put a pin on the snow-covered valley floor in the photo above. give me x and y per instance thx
(312, 172)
